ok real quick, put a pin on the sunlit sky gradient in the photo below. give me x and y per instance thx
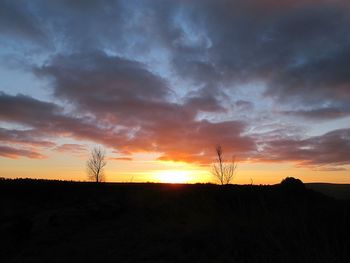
(159, 84)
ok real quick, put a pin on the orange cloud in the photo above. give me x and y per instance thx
(14, 153)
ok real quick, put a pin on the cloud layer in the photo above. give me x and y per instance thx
(179, 77)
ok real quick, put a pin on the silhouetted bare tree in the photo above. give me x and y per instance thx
(222, 171)
(96, 164)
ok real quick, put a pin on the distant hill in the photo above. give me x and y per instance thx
(339, 191)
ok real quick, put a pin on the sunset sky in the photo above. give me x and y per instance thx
(159, 84)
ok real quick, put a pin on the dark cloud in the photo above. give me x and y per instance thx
(300, 52)
(96, 81)
(47, 120)
(18, 20)
(118, 91)
(24, 109)
(244, 105)
(320, 113)
(23, 137)
(330, 150)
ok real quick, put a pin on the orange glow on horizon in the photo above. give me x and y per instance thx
(173, 176)
(146, 169)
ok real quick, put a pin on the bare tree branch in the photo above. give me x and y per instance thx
(223, 172)
(95, 165)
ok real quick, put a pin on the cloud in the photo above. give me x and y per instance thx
(120, 158)
(23, 137)
(14, 153)
(244, 105)
(71, 148)
(171, 129)
(328, 169)
(250, 41)
(172, 77)
(47, 120)
(319, 113)
(24, 109)
(122, 93)
(18, 20)
(331, 149)
(97, 82)
(218, 44)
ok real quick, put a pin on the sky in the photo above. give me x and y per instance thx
(159, 84)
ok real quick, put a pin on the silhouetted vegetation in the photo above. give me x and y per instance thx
(292, 184)
(54, 221)
(96, 165)
(222, 170)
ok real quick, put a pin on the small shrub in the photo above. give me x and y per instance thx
(292, 183)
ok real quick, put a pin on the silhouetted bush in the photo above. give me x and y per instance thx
(292, 183)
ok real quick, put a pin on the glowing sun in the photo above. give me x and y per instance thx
(173, 176)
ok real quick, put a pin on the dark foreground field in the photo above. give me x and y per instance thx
(339, 191)
(44, 221)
